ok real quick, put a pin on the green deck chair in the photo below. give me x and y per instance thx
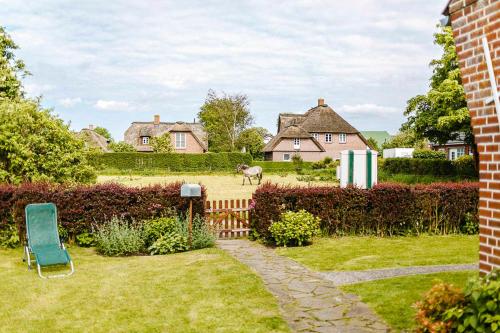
(42, 239)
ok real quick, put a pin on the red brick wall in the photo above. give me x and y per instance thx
(471, 20)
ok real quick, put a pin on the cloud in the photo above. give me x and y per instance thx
(35, 89)
(70, 102)
(112, 105)
(369, 109)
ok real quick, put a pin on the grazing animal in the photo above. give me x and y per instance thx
(250, 172)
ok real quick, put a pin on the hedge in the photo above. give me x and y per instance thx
(463, 166)
(429, 154)
(271, 166)
(387, 209)
(82, 207)
(169, 162)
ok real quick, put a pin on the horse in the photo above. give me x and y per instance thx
(249, 172)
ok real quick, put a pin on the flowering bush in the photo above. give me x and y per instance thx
(295, 228)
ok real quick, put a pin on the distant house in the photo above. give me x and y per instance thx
(93, 140)
(380, 137)
(185, 137)
(453, 148)
(314, 135)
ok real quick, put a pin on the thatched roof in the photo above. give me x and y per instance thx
(291, 132)
(94, 140)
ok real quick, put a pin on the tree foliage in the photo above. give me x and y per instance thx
(121, 147)
(104, 132)
(35, 145)
(225, 117)
(162, 143)
(405, 139)
(442, 113)
(11, 69)
(252, 140)
(372, 143)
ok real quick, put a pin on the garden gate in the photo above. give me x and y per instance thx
(231, 218)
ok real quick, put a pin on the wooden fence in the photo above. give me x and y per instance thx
(231, 218)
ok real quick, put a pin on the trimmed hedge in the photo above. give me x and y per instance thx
(463, 166)
(271, 166)
(387, 209)
(80, 208)
(429, 154)
(169, 162)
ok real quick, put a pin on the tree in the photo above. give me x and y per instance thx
(121, 147)
(162, 144)
(35, 145)
(11, 69)
(442, 113)
(104, 132)
(372, 143)
(224, 118)
(405, 139)
(252, 140)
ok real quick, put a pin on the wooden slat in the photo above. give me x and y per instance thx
(226, 219)
(238, 213)
(230, 217)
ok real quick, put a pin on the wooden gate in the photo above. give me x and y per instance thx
(230, 218)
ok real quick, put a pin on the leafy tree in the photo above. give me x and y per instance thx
(442, 113)
(405, 139)
(104, 132)
(224, 118)
(121, 147)
(35, 145)
(252, 139)
(373, 143)
(11, 69)
(162, 144)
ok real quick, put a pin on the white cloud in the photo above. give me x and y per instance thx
(369, 109)
(34, 89)
(112, 105)
(70, 102)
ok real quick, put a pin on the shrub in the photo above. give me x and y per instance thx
(418, 166)
(9, 236)
(85, 239)
(298, 163)
(171, 242)
(429, 154)
(156, 228)
(119, 238)
(294, 228)
(387, 209)
(203, 237)
(464, 165)
(121, 147)
(431, 311)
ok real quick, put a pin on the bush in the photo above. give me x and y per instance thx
(203, 237)
(169, 162)
(429, 154)
(387, 209)
(84, 207)
(156, 228)
(298, 163)
(294, 228)
(327, 162)
(171, 242)
(119, 238)
(85, 239)
(121, 147)
(9, 236)
(464, 165)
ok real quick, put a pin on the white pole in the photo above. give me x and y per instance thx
(493, 81)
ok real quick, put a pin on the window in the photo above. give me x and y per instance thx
(145, 140)
(460, 152)
(316, 136)
(286, 157)
(296, 143)
(342, 138)
(180, 140)
(328, 138)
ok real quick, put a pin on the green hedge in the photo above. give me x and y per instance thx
(463, 166)
(270, 166)
(169, 162)
(429, 154)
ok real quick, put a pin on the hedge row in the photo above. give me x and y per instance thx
(169, 162)
(271, 166)
(82, 207)
(387, 209)
(464, 166)
(429, 154)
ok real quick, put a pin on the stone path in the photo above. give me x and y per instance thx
(308, 301)
(350, 277)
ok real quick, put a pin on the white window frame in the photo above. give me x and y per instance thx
(328, 137)
(296, 143)
(145, 140)
(460, 151)
(180, 140)
(287, 159)
(342, 138)
(316, 136)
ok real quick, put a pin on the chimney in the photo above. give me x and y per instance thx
(321, 101)
(157, 119)
(91, 127)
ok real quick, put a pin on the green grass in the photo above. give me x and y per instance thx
(393, 299)
(219, 186)
(418, 179)
(359, 253)
(199, 291)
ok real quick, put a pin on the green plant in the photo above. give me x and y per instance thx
(9, 236)
(298, 163)
(63, 233)
(306, 178)
(85, 239)
(431, 310)
(203, 237)
(119, 238)
(464, 165)
(429, 154)
(295, 228)
(171, 242)
(156, 228)
(471, 225)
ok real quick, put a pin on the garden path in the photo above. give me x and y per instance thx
(308, 301)
(350, 277)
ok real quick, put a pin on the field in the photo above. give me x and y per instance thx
(219, 186)
(199, 291)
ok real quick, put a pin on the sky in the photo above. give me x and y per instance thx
(109, 63)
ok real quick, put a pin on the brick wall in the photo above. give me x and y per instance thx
(471, 20)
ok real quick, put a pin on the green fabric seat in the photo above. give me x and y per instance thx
(43, 238)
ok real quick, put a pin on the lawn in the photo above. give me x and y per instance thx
(219, 186)
(199, 291)
(359, 253)
(393, 298)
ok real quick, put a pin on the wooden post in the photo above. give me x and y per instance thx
(190, 226)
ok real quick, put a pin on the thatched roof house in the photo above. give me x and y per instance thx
(94, 140)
